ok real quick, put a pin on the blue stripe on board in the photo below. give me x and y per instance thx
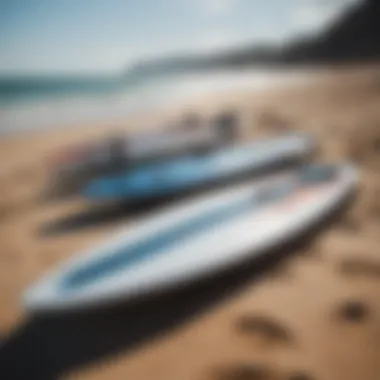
(160, 179)
(161, 242)
(152, 246)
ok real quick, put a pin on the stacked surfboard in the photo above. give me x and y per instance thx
(199, 236)
(73, 167)
(190, 173)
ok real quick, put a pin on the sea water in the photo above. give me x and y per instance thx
(28, 103)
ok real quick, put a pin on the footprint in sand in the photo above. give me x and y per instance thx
(360, 267)
(353, 311)
(243, 372)
(350, 224)
(266, 330)
(300, 376)
(256, 372)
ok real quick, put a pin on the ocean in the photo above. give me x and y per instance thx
(28, 103)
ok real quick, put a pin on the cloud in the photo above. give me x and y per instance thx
(215, 40)
(210, 41)
(217, 7)
(312, 15)
(226, 39)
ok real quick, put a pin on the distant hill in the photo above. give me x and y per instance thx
(181, 64)
(354, 37)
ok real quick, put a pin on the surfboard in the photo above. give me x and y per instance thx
(197, 238)
(73, 167)
(188, 173)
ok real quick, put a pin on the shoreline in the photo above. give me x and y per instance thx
(78, 110)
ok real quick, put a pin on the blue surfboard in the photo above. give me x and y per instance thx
(189, 173)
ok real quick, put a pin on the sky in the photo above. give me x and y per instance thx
(58, 36)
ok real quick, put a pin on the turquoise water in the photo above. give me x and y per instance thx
(22, 89)
(48, 102)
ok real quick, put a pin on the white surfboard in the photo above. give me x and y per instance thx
(197, 238)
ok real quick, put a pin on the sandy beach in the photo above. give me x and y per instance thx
(316, 316)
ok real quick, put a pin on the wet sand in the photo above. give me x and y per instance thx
(316, 315)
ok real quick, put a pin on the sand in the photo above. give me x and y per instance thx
(316, 316)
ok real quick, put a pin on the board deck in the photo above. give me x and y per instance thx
(196, 238)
